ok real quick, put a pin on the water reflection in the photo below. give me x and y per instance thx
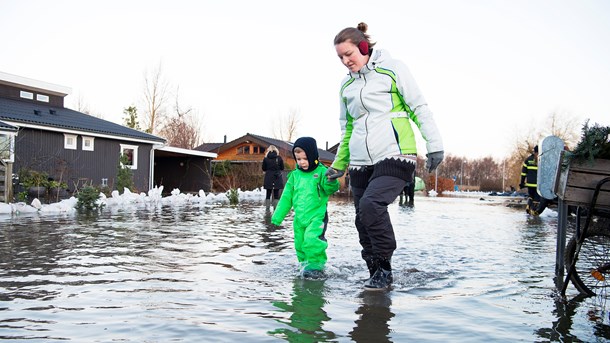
(307, 315)
(272, 235)
(374, 315)
(570, 313)
(170, 273)
(28, 254)
(560, 330)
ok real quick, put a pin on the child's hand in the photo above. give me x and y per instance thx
(276, 221)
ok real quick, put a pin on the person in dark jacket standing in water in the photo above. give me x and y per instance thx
(378, 100)
(273, 182)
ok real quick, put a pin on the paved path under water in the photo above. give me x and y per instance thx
(465, 270)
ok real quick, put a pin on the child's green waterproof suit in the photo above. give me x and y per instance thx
(307, 192)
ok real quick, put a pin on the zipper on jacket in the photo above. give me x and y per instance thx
(366, 121)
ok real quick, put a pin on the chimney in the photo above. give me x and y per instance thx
(225, 142)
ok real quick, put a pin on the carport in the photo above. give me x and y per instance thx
(187, 170)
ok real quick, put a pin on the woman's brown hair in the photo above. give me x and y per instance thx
(355, 35)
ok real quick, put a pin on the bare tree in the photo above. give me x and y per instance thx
(81, 106)
(452, 166)
(564, 126)
(512, 167)
(482, 173)
(182, 129)
(155, 97)
(561, 125)
(287, 128)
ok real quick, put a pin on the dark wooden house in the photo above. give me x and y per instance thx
(41, 134)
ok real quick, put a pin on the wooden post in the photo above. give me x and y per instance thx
(561, 241)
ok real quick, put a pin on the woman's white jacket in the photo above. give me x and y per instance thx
(378, 104)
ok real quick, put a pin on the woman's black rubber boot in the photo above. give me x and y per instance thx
(382, 278)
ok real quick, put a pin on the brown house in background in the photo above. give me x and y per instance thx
(249, 152)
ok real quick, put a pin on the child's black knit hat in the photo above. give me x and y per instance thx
(308, 144)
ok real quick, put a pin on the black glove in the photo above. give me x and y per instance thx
(521, 185)
(434, 159)
(332, 173)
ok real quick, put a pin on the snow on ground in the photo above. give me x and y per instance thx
(480, 194)
(128, 198)
(154, 197)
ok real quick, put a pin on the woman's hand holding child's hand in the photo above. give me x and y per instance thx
(332, 173)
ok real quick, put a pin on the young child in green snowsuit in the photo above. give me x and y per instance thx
(307, 191)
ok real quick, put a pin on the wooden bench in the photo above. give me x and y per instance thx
(575, 186)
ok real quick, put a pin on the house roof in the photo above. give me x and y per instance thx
(326, 155)
(173, 151)
(209, 147)
(262, 141)
(38, 115)
(31, 84)
(334, 148)
(4, 127)
(280, 144)
(323, 154)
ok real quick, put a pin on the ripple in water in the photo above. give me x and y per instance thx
(464, 270)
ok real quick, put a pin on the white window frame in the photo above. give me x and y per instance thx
(26, 95)
(134, 158)
(91, 146)
(42, 97)
(11, 147)
(67, 144)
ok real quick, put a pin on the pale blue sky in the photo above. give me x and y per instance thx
(489, 69)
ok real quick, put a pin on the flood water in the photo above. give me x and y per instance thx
(466, 270)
